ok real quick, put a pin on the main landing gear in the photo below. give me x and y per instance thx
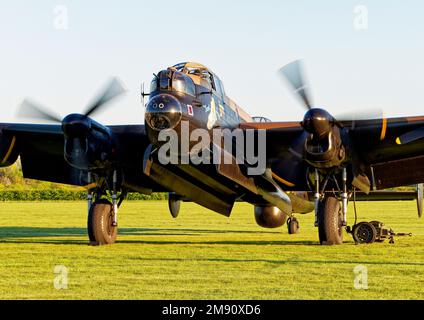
(102, 222)
(330, 221)
(330, 213)
(101, 227)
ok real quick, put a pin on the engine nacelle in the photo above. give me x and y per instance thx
(269, 216)
(88, 144)
(326, 151)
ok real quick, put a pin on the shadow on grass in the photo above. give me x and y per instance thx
(33, 235)
(224, 242)
(283, 262)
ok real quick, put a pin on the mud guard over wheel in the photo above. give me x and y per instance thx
(330, 221)
(101, 230)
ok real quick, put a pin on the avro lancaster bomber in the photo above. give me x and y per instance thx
(319, 164)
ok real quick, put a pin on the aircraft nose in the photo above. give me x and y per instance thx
(163, 111)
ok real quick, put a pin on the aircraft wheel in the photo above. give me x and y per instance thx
(364, 232)
(330, 221)
(293, 225)
(100, 223)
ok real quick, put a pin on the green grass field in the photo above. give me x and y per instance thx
(201, 255)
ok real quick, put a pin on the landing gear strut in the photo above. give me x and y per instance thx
(102, 222)
(330, 213)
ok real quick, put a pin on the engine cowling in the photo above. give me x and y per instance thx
(269, 216)
(326, 151)
(88, 144)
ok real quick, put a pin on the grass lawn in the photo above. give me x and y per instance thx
(202, 255)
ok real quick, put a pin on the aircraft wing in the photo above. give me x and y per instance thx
(279, 136)
(41, 149)
(385, 148)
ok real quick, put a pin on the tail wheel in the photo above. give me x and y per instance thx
(101, 230)
(330, 221)
(293, 225)
(364, 232)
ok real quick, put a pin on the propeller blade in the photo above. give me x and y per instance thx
(360, 115)
(293, 74)
(350, 118)
(112, 90)
(31, 110)
(411, 136)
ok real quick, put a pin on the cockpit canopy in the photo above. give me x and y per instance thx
(169, 80)
(202, 76)
(260, 119)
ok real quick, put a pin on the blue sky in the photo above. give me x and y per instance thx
(244, 42)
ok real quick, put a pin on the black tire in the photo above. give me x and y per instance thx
(90, 225)
(293, 226)
(99, 224)
(364, 232)
(330, 218)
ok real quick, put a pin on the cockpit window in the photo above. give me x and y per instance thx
(179, 83)
(218, 87)
(154, 84)
(164, 81)
(161, 81)
(183, 84)
(260, 119)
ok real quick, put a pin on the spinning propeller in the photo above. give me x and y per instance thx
(77, 127)
(318, 121)
(29, 109)
(321, 143)
(293, 73)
